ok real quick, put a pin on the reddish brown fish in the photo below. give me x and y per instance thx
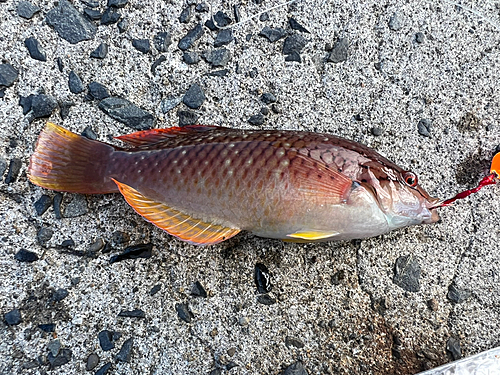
(204, 184)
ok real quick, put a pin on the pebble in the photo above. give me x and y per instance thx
(211, 25)
(457, 295)
(376, 131)
(142, 45)
(294, 56)
(216, 371)
(230, 365)
(202, 8)
(133, 252)
(169, 103)
(75, 83)
(62, 358)
(187, 118)
(120, 238)
(92, 362)
(57, 205)
(64, 109)
(137, 313)
(243, 321)
(395, 22)
(339, 52)
(198, 291)
(290, 341)
(155, 289)
(217, 57)
(294, 25)
(89, 133)
(30, 365)
(117, 3)
(60, 294)
(127, 113)
(264, 111)
(191, 58)
(191, 37)
(338, 277)
(60, 64)
(26, 9)
(272, 35)
(223, 37)
(453, 347)
(26, 256)
(123, 25)
(262, 278)
(419, 37)
(162, 41)
(268, 98)
(70, 24)
(264, 17)
(54, 346)
(236, 11)
(104, 369)
(35, 49)
(126, 351)
(42, 105)
(49, 327)
(231, 351)
(407, 273)
(265, 299)
(3, 167)
(186, 15)
(43, 204)
(13, 317)
(106, 340)
(183, 312)
(44, 235)
(25, 103)
(77, 207)
(218, 73)
(100, 52)
(194, 97)
(92, 14)
(294, 43)
(257, 119)
(2, 92)
(90, 3)
(295, 369)
(222, 19)
(160, 60)
(433, 304)
(424, 127)
(253, 72)
(110, 16)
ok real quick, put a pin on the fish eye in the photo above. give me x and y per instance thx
(410, 179)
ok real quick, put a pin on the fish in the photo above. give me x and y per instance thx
(205, 184)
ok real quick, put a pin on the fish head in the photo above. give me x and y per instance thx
(398, 194)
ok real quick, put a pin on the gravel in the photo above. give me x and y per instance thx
(198, 290)
(13, 317)
(35, 49)
(42, 204)
(294, 25)
(8, 75)
(75, 83)
(137, 313)
(217, 57)
(26, 256)
(339, 52)
(92, 362)
(191, 37)
(187, 118)
(453, 347)
(162, 41)
(100, 52)
(223, 37)
(77, 207)
(110, 16)
(133, 252)
(457, 295)
(127, 113)
(183, 312)
(142, 45)
(13, 172)
(70, 24)
(424, 127)
(295, 369)
(125, 352)
(407, 273)
(194, 97)
(26, 9)
(106, 340)
(273, 35)
(257, 119)
(191, 58)
(104, 369)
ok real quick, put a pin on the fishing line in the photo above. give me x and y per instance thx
(475, 12)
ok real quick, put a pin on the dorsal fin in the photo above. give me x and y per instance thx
(175, 222)
(152, 136)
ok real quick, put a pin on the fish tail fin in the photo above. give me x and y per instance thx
(65, 161)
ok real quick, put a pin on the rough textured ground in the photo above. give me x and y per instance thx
(362, 323)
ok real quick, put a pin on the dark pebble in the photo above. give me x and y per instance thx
(54, 346)
(338, 277)
(134, 252)
(162, 41)
(419, 37)
(49, 327)
(194, 97)
(62, 358)
(106, 340)
(253, 73)
(183, 312)
(110, 16)
(265, 299)
(211, 25)
(273, 35)
(91, 3)
(202, 8)
(230, 365)
(358, 117)
(294, 43)
(453, 347)
(42, 105)
(142, 45)
(264, 111)
(407, 273)
(187, 118)
(64, 109)
(160, 60)
(218, 73)
(92, 14)
(57, 205)
(42, 204)
(60, 64)
(120, 238)
(35, 49)
(44, 235)
(433, 304)
(424, 127)
(126, 351)
(30, 365)
(191, 37)
(186, 15)
(217, 57)
(395, 22)
(294, 56)
(77, 207)
(376, 131)
(295, 369)
(70, 24)
(268, 98)
(60, 294)
(191, 58)
(198, 290)
(294, 25)
(216, 371)
(339, 52)
(117, 3)
(92, 362)
(236, 11)
(264, 17)
(25, 256)
(137, 313)
(75, 83)
(123, 25)
(104, 369)
(2, 92)
(25, 102)
(457, 295)
(248, 37)
(155, 289)
(100, 52)
(127, 113)
(3, 167)
(26, 10)
(262, 278)
(89, 133)
(290, 341)
(257, 119)
(13, 317)
(169, 103)
(8, 74)
(68, 244)
(223, 37)
(222, 19)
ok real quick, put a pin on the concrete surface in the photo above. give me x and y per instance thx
(364, 325)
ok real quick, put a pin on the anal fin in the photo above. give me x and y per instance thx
(311, 235)
(175, 222)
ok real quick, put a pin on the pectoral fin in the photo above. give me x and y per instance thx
(175, 222)
(312, 235)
